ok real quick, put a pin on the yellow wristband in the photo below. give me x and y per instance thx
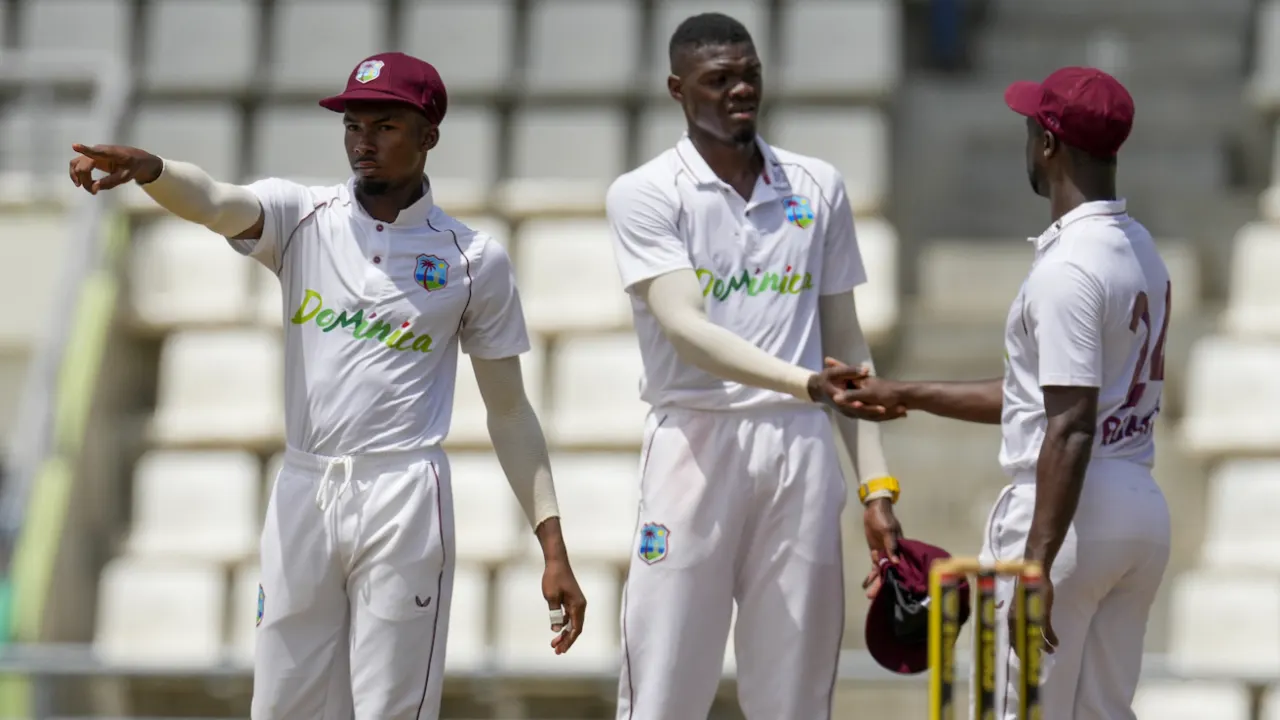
(879, 487)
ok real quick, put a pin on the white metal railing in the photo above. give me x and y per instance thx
(37, 77)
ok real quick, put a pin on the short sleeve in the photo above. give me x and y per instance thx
(1065, 305)
(643, 223)
(493, 323)
(285, 205)
(842, 268)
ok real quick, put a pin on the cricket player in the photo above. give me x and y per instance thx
(381, 288)
(1084, 371)
(740, 260)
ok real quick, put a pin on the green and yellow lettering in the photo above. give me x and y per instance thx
(346, 321)
(303, 315)
(422, 344)
(326, 318)
(400, 343)
(707, 278)
(794, 283)
(769, 281)
(376, 328)
(808, 282)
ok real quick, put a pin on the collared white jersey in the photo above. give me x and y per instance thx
(374, 313)
(1093, 312)
(762, 262)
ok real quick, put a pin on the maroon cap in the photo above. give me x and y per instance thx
(394, 77)
(1086, 108)
(897, 632)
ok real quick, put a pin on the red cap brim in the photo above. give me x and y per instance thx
(338, 103)
(1024, 97)
(884, 646)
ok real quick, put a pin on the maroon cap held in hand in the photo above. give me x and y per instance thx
(1086, 108)
(394, 77)
(897, 631)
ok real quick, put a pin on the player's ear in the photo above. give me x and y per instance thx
(430, 137)
(1050, 144)
(675, 88)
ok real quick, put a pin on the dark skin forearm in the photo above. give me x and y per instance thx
(977, 401)
(1060, 470)
(551, 540)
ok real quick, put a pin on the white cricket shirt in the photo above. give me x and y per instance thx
(1093, 312)
(374, 313)
(762, 262)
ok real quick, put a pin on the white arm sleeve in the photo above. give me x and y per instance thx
(1065, 305)
(517, 437)
(843, 340)
(675, 299)
(190, 193)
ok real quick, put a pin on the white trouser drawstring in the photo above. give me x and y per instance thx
(323, 498)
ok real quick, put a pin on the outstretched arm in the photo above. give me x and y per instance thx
(978, 401)
(675, 299)
(182, 188)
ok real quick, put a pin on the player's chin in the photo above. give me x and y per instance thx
(743, 132)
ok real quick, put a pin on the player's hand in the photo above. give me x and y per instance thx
(560, 588)
(883, 533)
(1049, 639)
(121, 164)
(865, 396)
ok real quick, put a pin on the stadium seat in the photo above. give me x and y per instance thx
(583, 48)
(1241, 511)
(595, 392)
(89, 29)
(1225, 625)
(268, 296)
(564, 159)
(469, 41)
(854, 139)
(568, 277)
(972, 279)
(754, 14)
(599, 496)
(464, 166)
(197, 505)
(488, 521)
(206, 134)
(1183, 700)
(661, 126)
(160, 613)
(843, 49)
(183, 35)
(1264, 85)
(36, 138)
(877, 299)
(220, 388)
(317, 43)
(470, 425)
(1181, 257)
(244, 611)
(1253, 295)
(43, 260)
(468, 620)
(1233, 397)
(184, 274)
(524, 632)
(299, 142)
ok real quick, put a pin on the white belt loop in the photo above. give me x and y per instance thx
(323, 500)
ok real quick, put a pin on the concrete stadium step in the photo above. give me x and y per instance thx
(1185, 52)
(1136, 11)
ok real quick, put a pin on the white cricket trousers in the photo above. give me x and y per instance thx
(1104, 580)
(743, 506)
(357, 573)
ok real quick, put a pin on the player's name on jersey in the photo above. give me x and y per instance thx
(370, 328)
(784, 283)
